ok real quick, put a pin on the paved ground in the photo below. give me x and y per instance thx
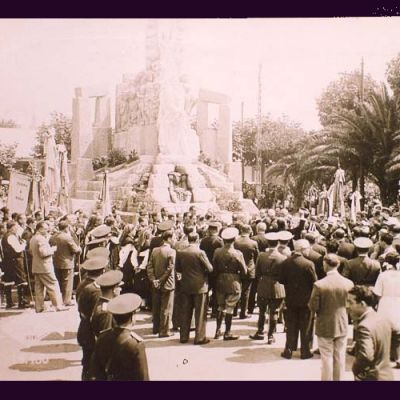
(43, 347)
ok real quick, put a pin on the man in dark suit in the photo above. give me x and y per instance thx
(372, 336)
(120, 354)
(312, 237)
(194, 267)
(362, 270)
(270, 293)
(297, 274)
(249, 249)
(209, 244)
(328, 301)
(64, 260)
(161, 273)
(316, 258)
(346, 249)
(260, 238)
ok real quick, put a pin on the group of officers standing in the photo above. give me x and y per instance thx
(183, 265)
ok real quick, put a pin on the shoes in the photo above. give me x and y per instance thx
(58, 309)
(244, 316)
(218, 334)
(317, 352)
(257, 336)
(229, 336)
(397, 366)
(204, 341)
(175, 329)
(306, 356)
(11, 305)
(271, 340)
(70, 304)
(183, 341)
(166, 335)
(287, 354)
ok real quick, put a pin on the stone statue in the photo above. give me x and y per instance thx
(176, 139)
(323, 201)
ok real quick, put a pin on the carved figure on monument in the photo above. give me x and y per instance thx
(178, 188)
(176, 139)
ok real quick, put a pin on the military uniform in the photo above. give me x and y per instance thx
(88, 294)
(120, 353)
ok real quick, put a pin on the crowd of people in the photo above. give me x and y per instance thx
(312, 273)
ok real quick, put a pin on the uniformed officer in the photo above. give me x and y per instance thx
(98, 237)
(87, 295)
(284, 237)
(110, 287)
(98, 252)
(230, 267)
(120, 353)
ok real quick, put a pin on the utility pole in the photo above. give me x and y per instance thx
(258, 139)
(241, 139)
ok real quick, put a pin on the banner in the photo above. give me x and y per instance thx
(18, 193)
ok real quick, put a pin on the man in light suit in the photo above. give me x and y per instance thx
(64, 260)
(373, 335)
(161, 273)
(43, 269)
(194, 267)
(328, 301)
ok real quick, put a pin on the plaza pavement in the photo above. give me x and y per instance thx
(43, 347)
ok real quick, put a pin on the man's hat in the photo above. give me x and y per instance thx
(165, 226)
(215, 224)
(95, 263)
(98, 252)
(101, 231)
(124, 304)
(109, 279)
(229, 233)
(363, 243)
(285, 235)
(272, 236)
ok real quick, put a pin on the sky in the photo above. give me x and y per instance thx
(43, 60)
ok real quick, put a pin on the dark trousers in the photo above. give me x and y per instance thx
(395, 346)
(65, 279)
(273, 306)
(198, 303)
(163, 305)
(299, 319)
(252, 296)
(244, 298)
(86, 357)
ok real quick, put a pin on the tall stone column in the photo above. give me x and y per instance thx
(102, 127)
(81, 140)
(225, 134)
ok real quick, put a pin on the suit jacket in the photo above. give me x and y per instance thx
(372, 350)
(267, 271)
(249, 249)
(362, 270)
(195, 267)
(297, 274)
(66, 249)
(262, 242)
(42, 255)
(317, 259)
(328, 301)
(161, 266)
(209, 244)
(319, 248)
(346, 250)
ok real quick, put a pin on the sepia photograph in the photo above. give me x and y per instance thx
(200, 199)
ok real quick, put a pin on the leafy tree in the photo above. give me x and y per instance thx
(62, 126)
(7, 154)
(9, 123)
(343, 96)
(277, 137)
(393, 75)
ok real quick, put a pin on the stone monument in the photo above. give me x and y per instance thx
(152, 117)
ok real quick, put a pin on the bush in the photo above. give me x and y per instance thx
(115, 157)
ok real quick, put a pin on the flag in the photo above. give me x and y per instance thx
(63, 195)
(105, 196)
(52, 182)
